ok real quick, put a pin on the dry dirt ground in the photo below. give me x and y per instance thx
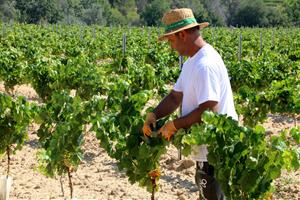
(99, 178)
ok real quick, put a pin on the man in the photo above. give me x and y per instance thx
(203, 84)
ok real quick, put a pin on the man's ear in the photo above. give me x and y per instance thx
(183, 35)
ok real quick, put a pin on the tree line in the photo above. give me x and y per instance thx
(149, 12)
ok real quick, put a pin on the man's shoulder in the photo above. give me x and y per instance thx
(210, 58)
(204, 63)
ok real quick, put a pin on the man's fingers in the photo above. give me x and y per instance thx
(168, 137)
(164, 134)
(160, 131)
(147, 130)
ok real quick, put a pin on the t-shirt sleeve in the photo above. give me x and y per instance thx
(207, 85)
(178, 85)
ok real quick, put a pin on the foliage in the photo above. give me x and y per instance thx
(61, 134)
(15, 117)
(245, 162)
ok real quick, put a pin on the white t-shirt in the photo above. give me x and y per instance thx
(204, 78)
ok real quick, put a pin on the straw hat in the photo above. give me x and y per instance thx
(179, 19)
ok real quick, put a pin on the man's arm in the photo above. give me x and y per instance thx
(169, 104)
(195, 116)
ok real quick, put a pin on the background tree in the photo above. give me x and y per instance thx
(94, 15)
(250, 13)
(150, 12)
(216, 12)
(154, 11)
(37, 11)
(128, 9)
(95, 11)
(292, 9)
(8, 11)
(124, 12)
(72, 11)
(230, 9)
(141, 4)
(276, 16)
(116, 18)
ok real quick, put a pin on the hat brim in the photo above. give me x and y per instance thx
(201, 26)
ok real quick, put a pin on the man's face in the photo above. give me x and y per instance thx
(176, 42)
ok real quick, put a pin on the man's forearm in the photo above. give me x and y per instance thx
(195, 116)
(168, 105)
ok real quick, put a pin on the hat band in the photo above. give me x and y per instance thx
(180, 24)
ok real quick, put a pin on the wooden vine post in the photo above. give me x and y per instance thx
(124, 44)
(8, 161)
(240, 47)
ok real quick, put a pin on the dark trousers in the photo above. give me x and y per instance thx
(209, 188)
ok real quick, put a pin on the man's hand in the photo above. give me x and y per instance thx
(150, 119)
(168, 130)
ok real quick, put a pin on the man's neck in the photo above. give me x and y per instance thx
(197, 44)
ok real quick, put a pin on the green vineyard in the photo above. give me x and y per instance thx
(101, 80)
